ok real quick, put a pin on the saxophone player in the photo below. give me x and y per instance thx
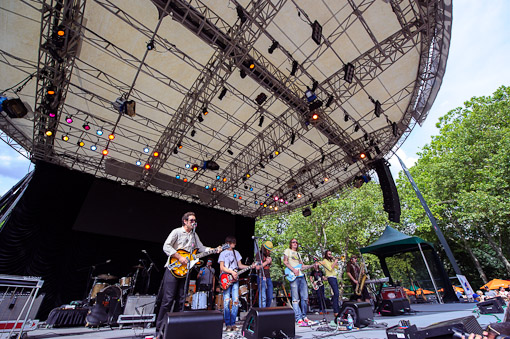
(356, 276)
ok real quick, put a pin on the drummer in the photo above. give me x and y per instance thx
(206, 282)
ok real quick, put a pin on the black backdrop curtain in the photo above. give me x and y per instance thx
(64, 223)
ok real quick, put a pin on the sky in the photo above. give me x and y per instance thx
(477, 65)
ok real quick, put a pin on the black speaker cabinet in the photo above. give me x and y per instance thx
(193, 325)
(361, 313)
(441, 330)
(394, 306)
(391, 201)
(490, 306)
(12, 304)
(272, 322)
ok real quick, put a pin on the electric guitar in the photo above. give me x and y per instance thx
(179, 270)
(291, 276)
(316, 284)
(226, 279)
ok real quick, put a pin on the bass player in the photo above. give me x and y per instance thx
(181, 238)
(230, 263)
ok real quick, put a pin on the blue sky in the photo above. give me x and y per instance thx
(477, 66)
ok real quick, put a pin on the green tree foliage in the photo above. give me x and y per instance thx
(464, 175)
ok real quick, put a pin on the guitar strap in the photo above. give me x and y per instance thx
(235, 258)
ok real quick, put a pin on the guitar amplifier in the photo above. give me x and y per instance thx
(140, 304)
(12, 304)
(396, 292)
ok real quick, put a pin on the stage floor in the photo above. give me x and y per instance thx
(423, 315)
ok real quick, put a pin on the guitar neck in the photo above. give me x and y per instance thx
(243, 270)
(203, 254)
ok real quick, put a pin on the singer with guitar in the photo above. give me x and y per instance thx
(317, 279)
(298, 287)
(230, 263)
(181, 240)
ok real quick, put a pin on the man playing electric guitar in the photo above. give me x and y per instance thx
(181, 238)
(230, 262)
(298, 287)
(317, 279)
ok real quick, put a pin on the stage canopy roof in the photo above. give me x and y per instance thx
(374, 66)
(392, 242)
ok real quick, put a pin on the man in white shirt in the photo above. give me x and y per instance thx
(181, 238)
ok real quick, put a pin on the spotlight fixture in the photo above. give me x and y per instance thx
(50, 91)
(294, 68)
(276, 152)
(377, 109)
(214, 189)
(61, 31)
(194, 168)
(248, 175)
(93, 147)
(105, 152)
(377, 150)
(205, 111)
(229, 151)
(138, 163)
(242, 74)
(207, 187)
(49, 133)
(52, 115)
(394, 128)
(200, 118)
(299, 196)
(315, 116)
(193, 133)
(251, 65)
(356, 128)
(100, 132)
(222, 93)
(185, 179)
(241, 14)
(316, 32)
(211, 165)
(150, 45)
(261, 121)
(330, 101)
(80, 143)
(349, 72)
(177, 176)
(111, 136)
(260, 98)
(276, 208)
(69, 119)
(292, 138)
(315, 84)
(310, 95)
(176, 150)
(273, 46)
(346, 117)
(15, 108)
(155, 154)
(86, 126)
(224, 179)
(145, 150)
(147, 166)
(323, 158)
(326, 179)
(65, 137)
(261, 165)
(307, 212)
(315, 105)
(362, 155)
(218, 177)
(366, 136)
(130, 108)
(187, 166)
(179, 145)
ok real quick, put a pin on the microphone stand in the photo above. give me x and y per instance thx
(149, 271)
(91, 270)
(186, 284)
(261, 275)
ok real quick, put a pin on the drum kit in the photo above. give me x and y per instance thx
(112, 286)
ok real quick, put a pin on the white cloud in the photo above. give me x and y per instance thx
(395, 166)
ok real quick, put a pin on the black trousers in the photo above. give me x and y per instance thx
(173, 290)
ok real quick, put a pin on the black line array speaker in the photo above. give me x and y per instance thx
(390, 195)
(441, 330)
(272, 322)
(193, 325)
(490, 306)
(397, 306)
(361, 313)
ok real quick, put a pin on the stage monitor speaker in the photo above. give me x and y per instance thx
(140, 304)
(361, 313)
(390, 194)
(443, 330)
(272, 322)
(12, 304)
(193, 325)
(394, 306)
(490, 306)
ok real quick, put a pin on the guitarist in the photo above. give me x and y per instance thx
(230, 262)
(317, 279)
(184, 238)
(298, 287)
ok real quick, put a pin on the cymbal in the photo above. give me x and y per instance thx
(138, 266)
(106, 277)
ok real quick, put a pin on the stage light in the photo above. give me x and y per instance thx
(150, 45)
(50, 91)
(260, 98)
(377, 109)
(349, 72)
(251, 189)
(310, 95)
(294, 68)
(69, 119)
(265, 205)
(292, 138)
(326, 179)
(299, 196)
(286, 202)
(261, 165)
(251, 64)
(261, 121)
(377, 150)
(281, 200)
(241, 14)
(60, 31)
(330, 101)
(80, 143)
(155, 154)
(273, 46)
(193, 133)
(346, 117)
(323, 158)
(276, 152)
(362, 155)
(86, 126)
(93, 147)
(366, 136)
(177, 176)
(316, 32)
(65, 137)
(200, 118)
(49, 133)
(206, 187)
(229, 151)
(205, 111)
(185, 179)
(147, 166)
(256, 202)
(179, 145)
(315, 84)
(146, 150)
(14, 108)
(222, 93)
(138, 163)
(111, 136)
(356, 128)
(224, 179)
(194, 168)
(242, 74)
(235, 195)
(271, 207)
(276, 208)
(52, 115)
(315, 116)
(214, 189)
(187, 165)
(99, 132)
(276, 198)
(218, 177)
(105, 152)
(307, 212)
(248, 175)
(394, 129)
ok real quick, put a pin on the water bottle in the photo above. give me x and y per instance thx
(350, 322)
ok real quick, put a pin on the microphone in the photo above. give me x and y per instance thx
(194, 224)
(144, 251)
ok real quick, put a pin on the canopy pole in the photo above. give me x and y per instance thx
(430, 274)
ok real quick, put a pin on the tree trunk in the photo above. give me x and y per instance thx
(467, 247)
(496, 248)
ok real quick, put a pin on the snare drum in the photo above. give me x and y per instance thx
(199, 301)
(125, 282)
(243, 289)
(97, 288)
